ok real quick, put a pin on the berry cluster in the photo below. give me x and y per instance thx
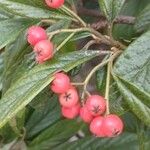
(91, 112)
(43, 48)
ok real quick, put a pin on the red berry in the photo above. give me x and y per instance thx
(96, 105)
(43, 50)
(85, 114)
(71, 112)
(61, 83)
(96, 126)
(112, 125)
(54, 3)
(69, 98)
(36, 34)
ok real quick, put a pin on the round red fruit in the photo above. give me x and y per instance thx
(43, 50)
(54, 3)
(96, 126)
(112, 125)
(69, 98)
(85, 115)
(96, 105)
(72, 112)
(61, 83)
(36, 34)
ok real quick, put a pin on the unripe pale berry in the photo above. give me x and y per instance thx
(72, 112)
(96, 105)
(85, 115)
(36, 34)
(61, 83)
(96, 126)
(112, 125)
(43, 50)
(69, 98)
(54, 3)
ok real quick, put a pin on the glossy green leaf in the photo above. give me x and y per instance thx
(1, 69)
(4, 14)
(11, 28)
(56, 134)
(143, 20)
(35, 80)
(14, 54)
(111, 8)
(123, 142)
(101, 80)
(26, 9)
(124, 31)
(47, 112)
(116, 100)
(131, 72)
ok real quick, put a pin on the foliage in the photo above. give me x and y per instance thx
(29, 112)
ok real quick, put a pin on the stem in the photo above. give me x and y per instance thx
(91, 42)
(110, 29)
(74, 15)
(49, 21)
(78, 84)
(107, 87)
(96, 35)
(110, 59)
(67, 30)
(65, 41)
(14, 127)
(92, 72)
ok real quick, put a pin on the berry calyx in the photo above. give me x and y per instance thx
(54, 3)
(96, 105)
(43, 51)
(61, 83)
(71, 112)
(112, 125)
(36, 34)
(85, 115)
(69, 98)
(96, 126)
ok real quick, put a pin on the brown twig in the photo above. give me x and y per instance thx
(125, 20)
(103, 22)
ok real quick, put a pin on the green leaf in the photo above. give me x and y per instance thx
(14, 54)
(34, 81)
(26, 9)
(56, 134)
(131, 72)
(1, 69)
(116, 101)
(143, 20)
(101, 80)
(4, 14)
(111, 8)
(123, 142)
(11, 28)
(130, 8)
(47, 112)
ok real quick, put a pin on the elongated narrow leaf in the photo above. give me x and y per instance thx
(14, 54)
(111, 8)
(130, 8)
(28, 9)
(143, 20)
(32, 82)
(123, 142)
(11, 28)
(132, 72)
(56, 134)
(47, 112)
